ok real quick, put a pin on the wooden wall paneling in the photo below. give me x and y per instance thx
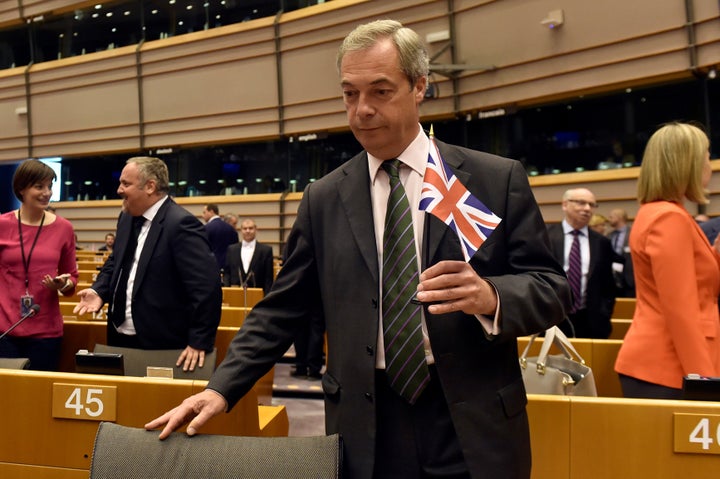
(13, 125)
(210, 86)
(9, 13)
(85, 104)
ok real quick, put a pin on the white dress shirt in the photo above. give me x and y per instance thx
(128, 327)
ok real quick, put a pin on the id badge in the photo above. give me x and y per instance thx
(26, 303)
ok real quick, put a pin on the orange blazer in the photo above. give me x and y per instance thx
(676, 327)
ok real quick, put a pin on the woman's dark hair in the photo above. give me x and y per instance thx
(29, 173)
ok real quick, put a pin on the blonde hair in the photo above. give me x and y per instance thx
(597, 219)
(413, 57)
(672, 165)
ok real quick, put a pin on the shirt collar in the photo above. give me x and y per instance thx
(415, 156)
(567, 228)
(152, 211)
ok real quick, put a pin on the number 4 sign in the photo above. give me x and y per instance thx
(697, 433)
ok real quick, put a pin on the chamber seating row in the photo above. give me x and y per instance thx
(50, 419)
(231, 295)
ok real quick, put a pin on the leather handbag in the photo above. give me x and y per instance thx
(562, 374)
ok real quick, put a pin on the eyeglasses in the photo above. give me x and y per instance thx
(583, 203)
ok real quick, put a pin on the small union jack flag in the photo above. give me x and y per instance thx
(446, 198)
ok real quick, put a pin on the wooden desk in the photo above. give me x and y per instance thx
(36, 442)
(624, 308)
(87, 275)
(86, 334)
(239, 297)
(619, 328)
(610, 438)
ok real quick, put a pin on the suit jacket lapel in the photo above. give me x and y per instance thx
(354, 193)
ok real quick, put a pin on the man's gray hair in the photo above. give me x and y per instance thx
(414, 61)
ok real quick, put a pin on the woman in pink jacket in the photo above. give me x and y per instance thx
(676, 326)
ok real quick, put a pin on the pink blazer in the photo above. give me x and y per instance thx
(676, 327)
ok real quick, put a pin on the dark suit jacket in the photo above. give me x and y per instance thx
(711, 228)
(221, 235)
(625, 281)
(177, 296)
(332, 267)
(600, 289)
(261, 265)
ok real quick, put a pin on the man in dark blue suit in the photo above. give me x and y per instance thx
(220, 234)
(161, 281)
(711, 228)
(469, 419)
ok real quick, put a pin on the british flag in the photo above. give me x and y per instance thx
(446, 198)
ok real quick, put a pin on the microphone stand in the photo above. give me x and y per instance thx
(251, 274)
(33, 311)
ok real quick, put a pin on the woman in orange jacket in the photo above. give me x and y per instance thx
(676, 326)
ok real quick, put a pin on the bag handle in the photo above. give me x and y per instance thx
(555, 336)
(523, 356)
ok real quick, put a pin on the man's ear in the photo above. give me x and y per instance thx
(419, 89)
(150, 187)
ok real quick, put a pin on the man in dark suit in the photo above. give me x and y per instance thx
(249, 262)
(622, 266)
(470, 418)
(220, 234)
(593, 306)
(711, 228)
(161, 281)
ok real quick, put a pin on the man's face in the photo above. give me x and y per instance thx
(579, 207)
(382, 107)
(137, 197)
(248, 230)
(207, 214)
(109, 240)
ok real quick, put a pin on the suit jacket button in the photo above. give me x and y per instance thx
(369, 350)
(369, 396)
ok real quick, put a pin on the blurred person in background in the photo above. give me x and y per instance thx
(599, 223)
(109, 242)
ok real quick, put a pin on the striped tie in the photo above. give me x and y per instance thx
(574, 272)
(404, 352)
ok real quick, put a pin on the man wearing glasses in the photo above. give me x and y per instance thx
(587, 259)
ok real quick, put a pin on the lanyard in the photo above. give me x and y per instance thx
(26, 262)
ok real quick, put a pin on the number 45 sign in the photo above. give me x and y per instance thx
(697, 433)
(83, 401)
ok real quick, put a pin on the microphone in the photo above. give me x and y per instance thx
(34, 309)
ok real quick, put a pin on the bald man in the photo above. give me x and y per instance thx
(590, 317)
